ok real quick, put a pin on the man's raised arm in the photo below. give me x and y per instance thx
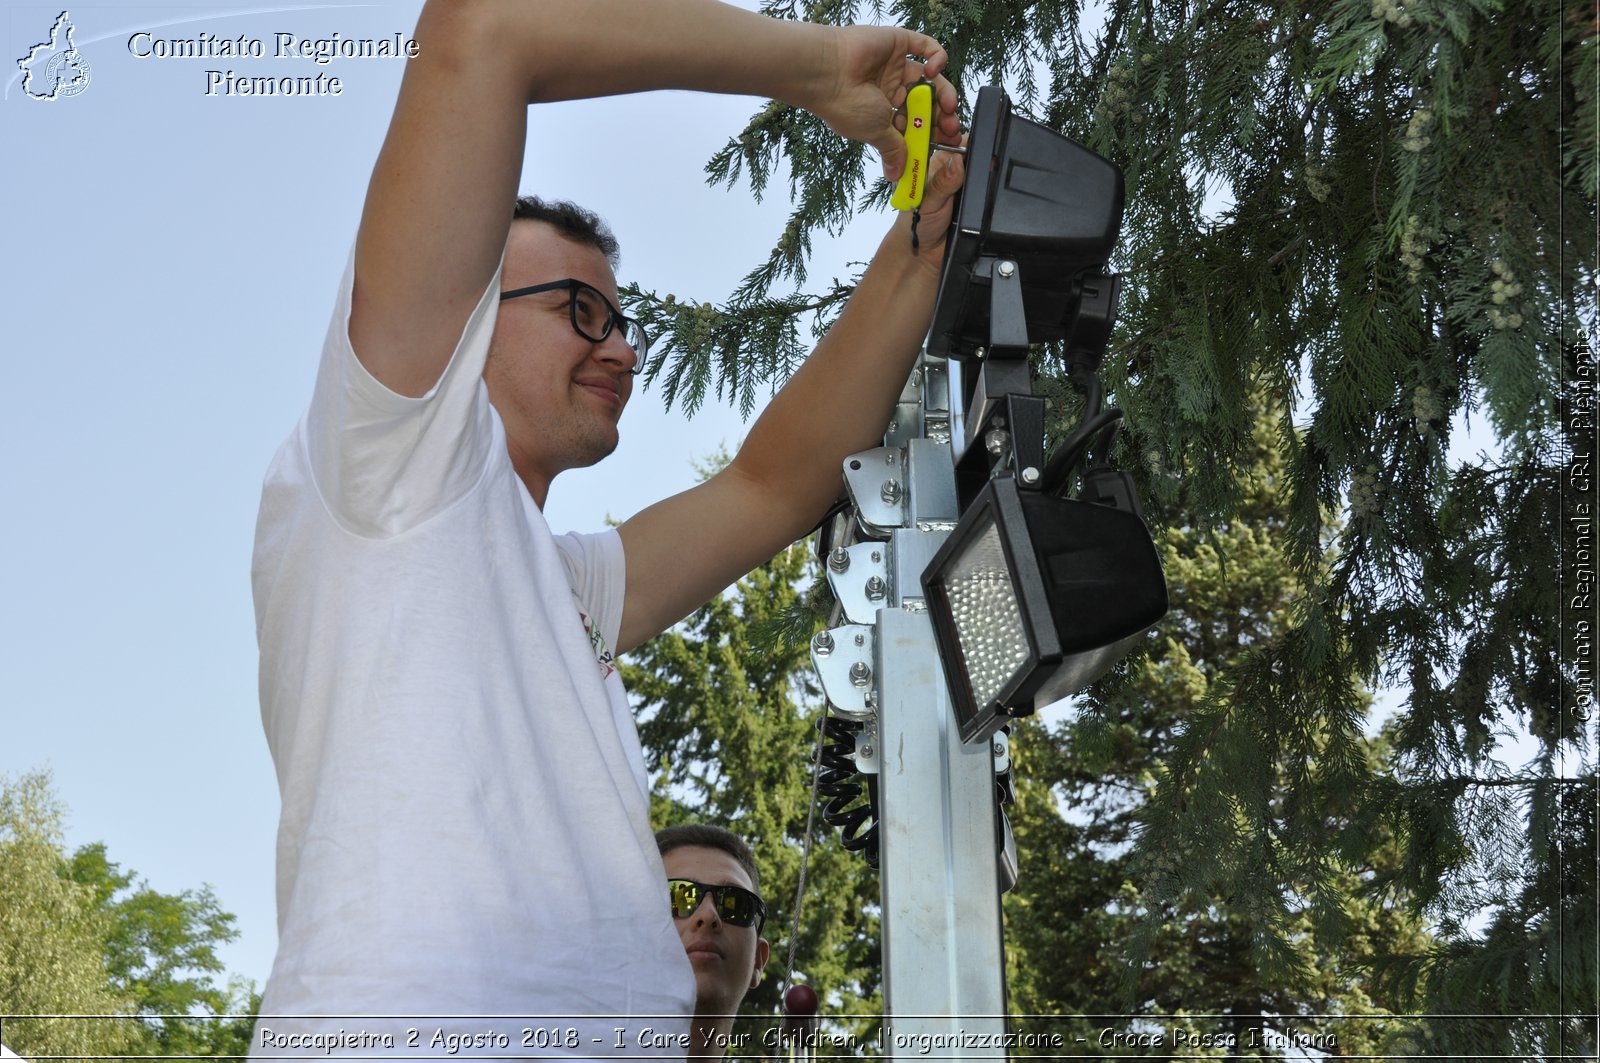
(438, 207)
(685, 549)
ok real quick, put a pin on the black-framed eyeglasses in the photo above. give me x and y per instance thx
(593, 316)
(735, 905)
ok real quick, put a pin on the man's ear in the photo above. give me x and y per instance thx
(763, 950)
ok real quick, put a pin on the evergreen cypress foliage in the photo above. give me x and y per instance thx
(1366, 218)
(1078, 916)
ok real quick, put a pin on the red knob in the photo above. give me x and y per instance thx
(800, 1001)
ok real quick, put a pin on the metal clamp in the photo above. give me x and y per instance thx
(876, 480)
(1000, 742)
(868, 751)
(859, 578)
(923, 410)
(842, 657)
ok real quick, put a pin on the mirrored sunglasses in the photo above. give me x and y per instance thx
(734, 905)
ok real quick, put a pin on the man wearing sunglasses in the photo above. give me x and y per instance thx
(712, 885)
(465, 828)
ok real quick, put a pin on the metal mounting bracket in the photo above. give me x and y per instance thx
(876, 481)
(859, 578)
(842, 657)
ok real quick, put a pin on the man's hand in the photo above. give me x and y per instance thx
(871, 70)
(947, 172)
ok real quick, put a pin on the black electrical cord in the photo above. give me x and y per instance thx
(843, 786)
(1089, 443)
(1070, 454)
(1094, 392)
(839, 505)
(1100, 450)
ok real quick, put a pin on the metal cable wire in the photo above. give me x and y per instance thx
(805, 857)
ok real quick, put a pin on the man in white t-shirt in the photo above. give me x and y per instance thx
(465, 864)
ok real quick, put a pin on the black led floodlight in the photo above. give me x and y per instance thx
(1040, 201)
(1033, 597)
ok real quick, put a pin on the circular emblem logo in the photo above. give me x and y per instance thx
(67, 73)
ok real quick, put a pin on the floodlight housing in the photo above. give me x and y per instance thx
(1042, 202)
(1033, 597)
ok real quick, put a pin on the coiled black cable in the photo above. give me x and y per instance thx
(842, 785)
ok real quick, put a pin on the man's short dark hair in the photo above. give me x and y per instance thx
(573, 222)
(710, 837)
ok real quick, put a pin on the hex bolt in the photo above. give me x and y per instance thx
(891, 491)
(876, 589)
(839, 559)
(1007, 268)
(860, 673)
(995, 441)
(822, 644)
(1030, 476)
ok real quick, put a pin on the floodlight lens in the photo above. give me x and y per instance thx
(986, 615)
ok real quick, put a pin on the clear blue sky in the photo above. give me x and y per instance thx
(170, 265)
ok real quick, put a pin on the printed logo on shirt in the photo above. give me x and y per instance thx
(597, 642)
